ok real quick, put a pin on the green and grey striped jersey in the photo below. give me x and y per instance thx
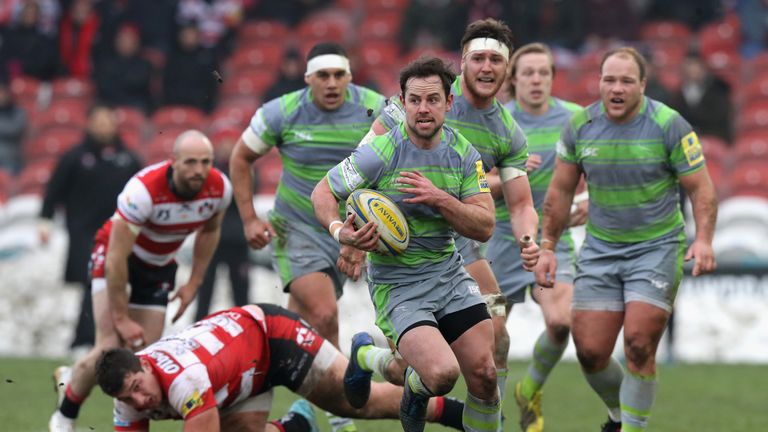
(632, 169)
(453, 166)
(311, 141)
(492, 131)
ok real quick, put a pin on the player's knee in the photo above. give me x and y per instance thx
(324, 320)
(559, 332)
(483, 377)
(639, 350)
(592, 360)
(440, 380)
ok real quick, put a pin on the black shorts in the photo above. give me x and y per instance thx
(150, 286)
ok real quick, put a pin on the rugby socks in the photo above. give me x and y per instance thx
(374, 359)
(607, 384)
(340, 424)
(413, 380)
(637, 395)
(448, 412)
(70, 405)
(546, 354)
(501, 381)
(481, 415)
(292, 422)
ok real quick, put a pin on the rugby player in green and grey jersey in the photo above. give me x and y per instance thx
(634, 152)
(424, 299)
(541, 117)
(314, 129)
(480, 118)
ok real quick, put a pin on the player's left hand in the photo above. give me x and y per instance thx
(351, 261)
(186, 294)
(424, 191)
(579, 214)
(704, 257)
(529, 253)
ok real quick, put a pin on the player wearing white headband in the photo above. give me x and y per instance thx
(314, 129)
(482, 119)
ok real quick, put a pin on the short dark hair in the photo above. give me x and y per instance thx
(113, 366)
(627, 51)
(425, 67)
(488, 28)
(326, 48)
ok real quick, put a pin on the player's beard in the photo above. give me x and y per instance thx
(426, 135)
(190, 188)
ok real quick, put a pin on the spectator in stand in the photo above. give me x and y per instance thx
(705, 99)
(290, 78)
(432, 23)
(694, 13)
(13, 123)
(289, 12)
(123, 78)
(79, 38)
(155, 20)
(26, 49)
(233, 249)
(187, 78)
(753, 16)
(217, 20)
(558, 23)
(85, 184)
(49, 10)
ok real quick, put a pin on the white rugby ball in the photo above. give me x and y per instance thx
(371, 205)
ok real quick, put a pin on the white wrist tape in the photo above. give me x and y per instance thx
(510, 173)
(327, 61)
(335, 231)
(581, 197)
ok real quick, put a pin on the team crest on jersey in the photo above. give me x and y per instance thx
(482, 181)
(194, 401)
(352, 178)
(692, 149)
(205, 208)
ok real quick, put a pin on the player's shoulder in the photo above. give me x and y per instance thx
(288, 103)
(365, 97)
(567, 105)
(660, 113)
(584, 116)
(457, 142)
(152, 176)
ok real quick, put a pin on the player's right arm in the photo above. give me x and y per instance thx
(206, 421)
(121, 240)
(257, 231)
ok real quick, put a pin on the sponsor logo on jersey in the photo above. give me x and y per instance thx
(482, 181)
(692, 149)
(165, 362)
(304, 336)
(352, 178)
(205, 208)
(194, 401)
(561, 150)
(395, 111)
(589, 152)
(305, 136)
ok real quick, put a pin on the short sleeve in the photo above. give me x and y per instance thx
(517, 156)
(134, 204)
(190, 393)
(226, 198)
(683, 147)
(566, 145)
(266, 124)
(393, 113)
(363, 168)
(474, 181)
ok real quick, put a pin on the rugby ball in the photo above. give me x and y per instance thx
(371, 205)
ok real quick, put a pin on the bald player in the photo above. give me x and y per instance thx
(156, 211)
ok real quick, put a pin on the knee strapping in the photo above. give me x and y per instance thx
(497, 304)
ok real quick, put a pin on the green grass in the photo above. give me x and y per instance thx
(690, 398)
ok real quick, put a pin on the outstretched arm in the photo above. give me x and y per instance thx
(703, 197)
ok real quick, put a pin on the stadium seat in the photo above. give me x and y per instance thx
(383, 26)
(62, 112)
(169, 117)
(34, 177)
(71, 88)
(749, 178)
(665, 31)
(715, 149)
(229, 114)
(261, 54)
(24, 90)
(268, 31)
(130, 118)
(52, 142)
(752, 117)
(248, 82)
(755, 66)
(725, 64)
(752, 146)
(753, 89)
(718, 36)
(378, 6)
(268, 169)
(377, 54)
(132, 139)
(159, 147)
(326, 26)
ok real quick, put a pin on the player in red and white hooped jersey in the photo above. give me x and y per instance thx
(218, 374)
(158, 208)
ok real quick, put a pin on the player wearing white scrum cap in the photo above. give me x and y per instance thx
(314, 129)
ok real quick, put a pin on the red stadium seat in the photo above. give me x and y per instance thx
(71, 87)
(132, 138)
(379, 54)
(248, 82)
(378, 6)
(754, 89)
(229, 115)
(169, 117)
(63, 112)
(719, 36)
(753, 117)
(52, 142)
(34, 177)
(160, 146)
(268, 168)
(725, 64)
(383, 26)
(261, 54)
(130, 118)
(268, 31)
(749, 178)
(752, 146)
(664, 31)
(715, 149)
(324, 27)
(24, 90)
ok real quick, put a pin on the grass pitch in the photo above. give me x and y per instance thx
(690, 398)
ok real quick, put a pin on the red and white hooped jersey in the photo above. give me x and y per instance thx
(165, 220)
(218, 361)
